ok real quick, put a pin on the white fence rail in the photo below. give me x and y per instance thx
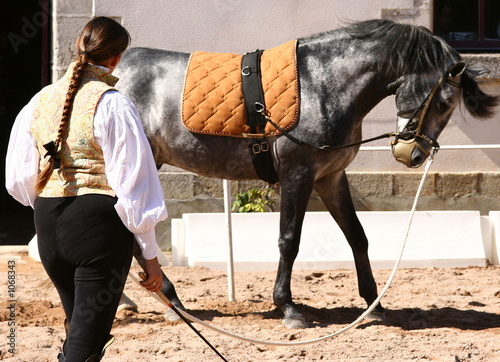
(444, 147)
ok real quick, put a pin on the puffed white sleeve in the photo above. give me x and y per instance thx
(130, 168)
(22, 160)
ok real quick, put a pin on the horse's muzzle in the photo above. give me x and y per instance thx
(412, 152)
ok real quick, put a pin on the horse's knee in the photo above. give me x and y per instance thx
(288, 247)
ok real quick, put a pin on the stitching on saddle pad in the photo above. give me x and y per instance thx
(284, 102)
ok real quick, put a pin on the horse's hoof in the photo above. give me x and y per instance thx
(171, 316)
(295, 323)
(127, 306)
(376, 315)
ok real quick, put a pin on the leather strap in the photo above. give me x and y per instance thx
(253, 94)
(253, 97)
(262, 159)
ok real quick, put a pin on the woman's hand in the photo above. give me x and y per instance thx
(154, 275)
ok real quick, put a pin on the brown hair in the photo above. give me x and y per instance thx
(101, 39)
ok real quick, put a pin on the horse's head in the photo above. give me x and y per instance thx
(419, 125)
(414, 61)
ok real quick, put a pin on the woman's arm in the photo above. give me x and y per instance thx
(130, 168)
(22, 161)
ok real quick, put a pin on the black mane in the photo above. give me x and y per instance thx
(414, 49)
(411, 49)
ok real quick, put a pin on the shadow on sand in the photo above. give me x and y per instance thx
(406, 319)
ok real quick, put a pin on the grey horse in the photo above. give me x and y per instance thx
(343, 74)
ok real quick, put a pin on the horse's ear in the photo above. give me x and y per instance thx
(476, 72)
(457, 69)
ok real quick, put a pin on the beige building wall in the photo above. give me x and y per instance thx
(224, 25)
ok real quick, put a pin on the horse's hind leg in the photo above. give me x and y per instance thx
(333, 190)
(168, 288)
(294, 198)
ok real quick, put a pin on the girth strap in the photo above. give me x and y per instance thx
(260, 151)
(253, 94)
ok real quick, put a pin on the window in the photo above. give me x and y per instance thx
(468, 24)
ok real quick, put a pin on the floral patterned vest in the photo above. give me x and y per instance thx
(82, 162)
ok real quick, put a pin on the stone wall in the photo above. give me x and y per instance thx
(189, 193)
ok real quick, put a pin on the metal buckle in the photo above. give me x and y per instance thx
(259, 107)
(260, 147)
(256, 148)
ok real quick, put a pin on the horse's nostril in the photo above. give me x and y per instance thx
(417, 158)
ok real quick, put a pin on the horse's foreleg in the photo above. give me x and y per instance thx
(334, 191)
(294, 198)
(168, 288)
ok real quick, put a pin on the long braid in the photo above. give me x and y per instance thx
(44, 176)
(101, 39)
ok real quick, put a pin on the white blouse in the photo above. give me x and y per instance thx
(130, 167)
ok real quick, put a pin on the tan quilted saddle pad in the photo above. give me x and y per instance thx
(213, 98)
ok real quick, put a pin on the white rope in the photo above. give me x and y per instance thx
(354, 323)
(442, 147)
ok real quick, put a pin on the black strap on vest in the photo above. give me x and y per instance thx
(253, 96)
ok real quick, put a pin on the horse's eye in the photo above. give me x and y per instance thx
(442, 106)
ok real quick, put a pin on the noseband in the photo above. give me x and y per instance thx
(406, 140)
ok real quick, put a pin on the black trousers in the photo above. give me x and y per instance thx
(86, 251)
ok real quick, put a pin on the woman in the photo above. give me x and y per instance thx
(78, 155)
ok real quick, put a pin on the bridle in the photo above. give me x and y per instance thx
(406, 139)
(411, 136)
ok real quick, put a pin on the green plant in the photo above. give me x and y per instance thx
(253, 200)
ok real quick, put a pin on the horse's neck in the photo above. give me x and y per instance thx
(354, 72)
